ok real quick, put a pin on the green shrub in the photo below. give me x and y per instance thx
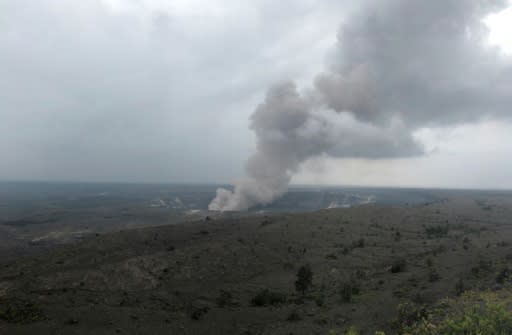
(348, 289)
(503, 276)
(304, 279)
(268, 298)
(484, 267)
(398, 236)
(408, 315)
(459, 287)
(474, 313)
(398, 265)
(294, 316)
(433, 275)
(319, 300)
(197, 313)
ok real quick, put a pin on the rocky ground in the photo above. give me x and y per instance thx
(230, 274)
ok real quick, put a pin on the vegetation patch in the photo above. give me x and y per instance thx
(197, 313)
(294, 316)
(304, 279)
(18, 311)
(225, 299)
(358, 243)
(503, 276)
(349, 289)
(471, 313)
(433, 275)
(437, 231)
(399, 265)
(268, 298)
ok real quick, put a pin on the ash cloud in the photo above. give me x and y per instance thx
(400, 65)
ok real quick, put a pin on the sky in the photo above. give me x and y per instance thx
(163, 91)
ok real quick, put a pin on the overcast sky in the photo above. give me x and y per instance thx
(162, 91)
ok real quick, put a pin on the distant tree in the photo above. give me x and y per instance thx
(459, 287)
(304, 279)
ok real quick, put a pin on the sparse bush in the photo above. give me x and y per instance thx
(72, 321)
(413, 280)
(358, 244)
(430, 262)
(459, 287)
(503, 276)
(439, 250)
(418, 298)
(360, 274)
(294, 316)
(502, 244)
(304, 279)
(408, 315)
(351, 331)
(486, 265)
(354, 331)
(319, 300)
(288, 266)
(398, 236)
(482, 268)
(346, 293)
(433, 275)
(484, 204)
(197, 313)
(225, 299)
(348, 289)
(437, 231)
(268, 298)
(331, 256)
(399, 265)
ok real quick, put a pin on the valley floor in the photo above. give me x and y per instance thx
(202, 277)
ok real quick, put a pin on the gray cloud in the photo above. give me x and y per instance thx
(150, 92)
(141, 92)
(400, 65)
(427, 62)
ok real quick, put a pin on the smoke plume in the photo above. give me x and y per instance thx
(401, 65)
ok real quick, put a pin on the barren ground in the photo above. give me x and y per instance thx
(200, 277)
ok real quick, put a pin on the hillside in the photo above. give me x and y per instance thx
(231, 274)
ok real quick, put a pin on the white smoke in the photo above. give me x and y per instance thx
(291, 128)
(403, 65)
